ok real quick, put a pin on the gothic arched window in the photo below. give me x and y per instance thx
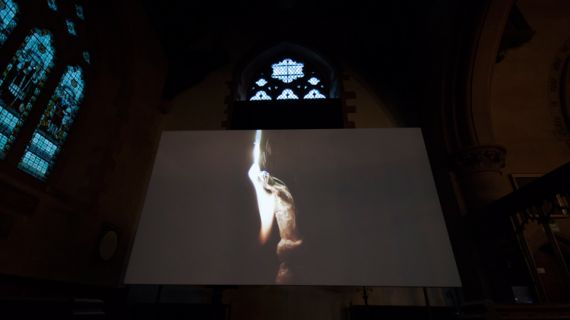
(54, 125)
(287, 79)
(8, 13)
(286, 86)
(21, 83)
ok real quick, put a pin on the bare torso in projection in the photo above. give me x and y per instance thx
(275, 201)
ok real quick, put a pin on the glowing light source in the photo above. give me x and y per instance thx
(257, 148)
(265, 201)
(261, 82)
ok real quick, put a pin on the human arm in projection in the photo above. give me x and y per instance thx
(275, 201)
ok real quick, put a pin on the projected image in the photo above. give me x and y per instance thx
(292, 207)
(275, 202)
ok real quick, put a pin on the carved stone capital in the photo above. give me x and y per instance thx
(480, 158)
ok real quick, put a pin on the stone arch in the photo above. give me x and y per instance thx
(469, 122)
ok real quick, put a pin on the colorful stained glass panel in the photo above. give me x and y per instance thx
(34, 165)
(21, 84)
(55, 122)
(8, 13)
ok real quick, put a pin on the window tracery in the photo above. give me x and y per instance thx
(287, 79)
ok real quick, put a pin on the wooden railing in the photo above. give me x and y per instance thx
(543, 197)
(540, 202)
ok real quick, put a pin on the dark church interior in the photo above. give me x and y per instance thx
(88, 87)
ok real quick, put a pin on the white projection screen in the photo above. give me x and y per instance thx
(343, 207)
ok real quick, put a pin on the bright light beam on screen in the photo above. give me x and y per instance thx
(257, 147)
(275, 202)
(265, 201)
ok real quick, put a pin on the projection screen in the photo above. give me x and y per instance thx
(342, 207)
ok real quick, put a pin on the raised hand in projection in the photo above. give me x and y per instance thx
(275, 201)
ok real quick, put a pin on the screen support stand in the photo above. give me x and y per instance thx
(428, 305)
(364, 296)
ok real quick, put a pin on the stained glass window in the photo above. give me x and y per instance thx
(52, 5)
(260, 95)
(54, 125)
(287, 94)
(8, 12)
(86, 57)
(70, 27)
(314, 81)
(314, 94)
(21, 84)
(33, 162)
(288, 79)
(79, 12)
(287, 70)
